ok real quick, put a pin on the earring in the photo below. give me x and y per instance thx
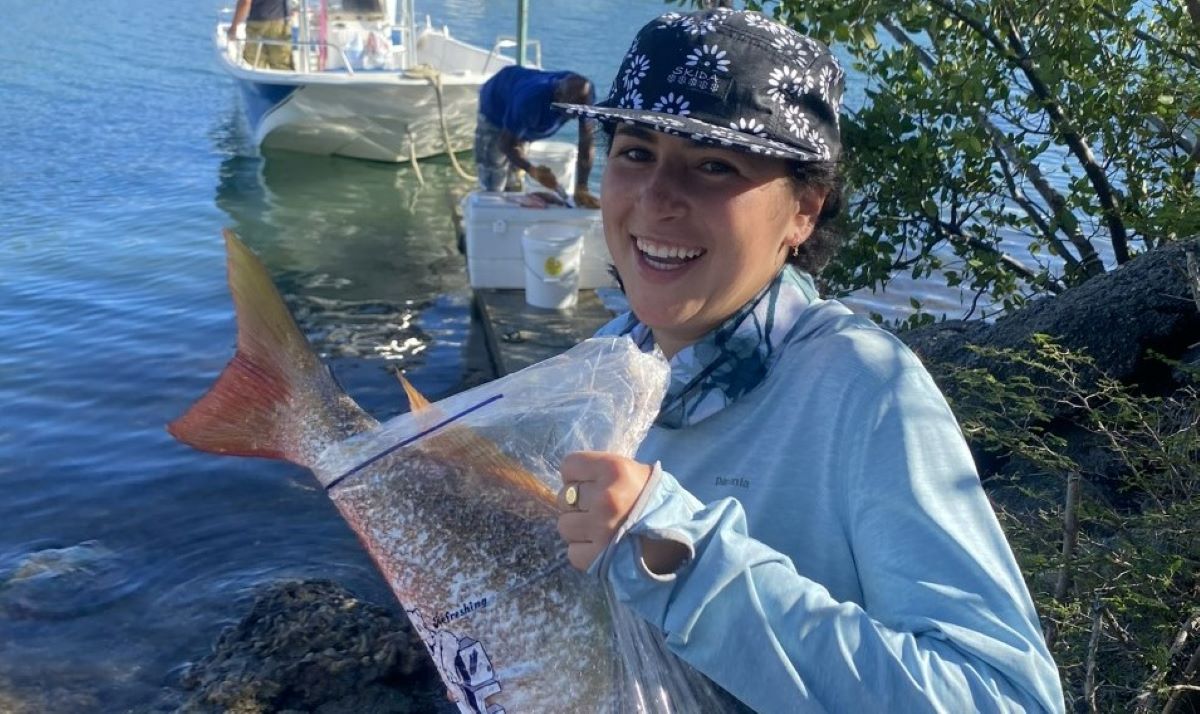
(796, 251)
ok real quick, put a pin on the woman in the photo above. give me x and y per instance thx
(804, 522)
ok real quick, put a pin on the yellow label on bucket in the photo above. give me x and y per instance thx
(553, 267)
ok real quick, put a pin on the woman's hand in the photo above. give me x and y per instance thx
(606, 487)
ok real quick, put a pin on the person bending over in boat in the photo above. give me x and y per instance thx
(804, 523)
(516, 106)
(266, 20)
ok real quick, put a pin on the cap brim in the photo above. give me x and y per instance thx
(697, 130)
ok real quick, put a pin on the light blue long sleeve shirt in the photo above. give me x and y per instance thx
(844, 556)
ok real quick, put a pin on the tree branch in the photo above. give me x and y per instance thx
(1070, 538)
(1031, 210)
(1089, 678)
(1070, 535)
(1146, 698)
(954, 233)
(1013, 50)
(1177, 691)
(1179, 140)
(1088, 258)
(1193, 8)
(1193, 160)
(1078, 146)
(1152, 40)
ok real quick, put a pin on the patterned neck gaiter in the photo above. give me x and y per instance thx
(732, 359)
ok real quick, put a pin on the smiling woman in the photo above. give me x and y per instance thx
(695, 230)
(804, 523)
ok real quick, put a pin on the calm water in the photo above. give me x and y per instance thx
(122, 553)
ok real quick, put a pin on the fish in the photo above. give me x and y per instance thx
(562, 195)
(541, 199)
(456, 503)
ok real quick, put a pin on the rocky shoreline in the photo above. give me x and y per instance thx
(312, 646)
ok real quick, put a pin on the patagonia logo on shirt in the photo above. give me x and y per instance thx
(732, 482)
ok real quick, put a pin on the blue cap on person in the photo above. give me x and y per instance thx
(734, 79)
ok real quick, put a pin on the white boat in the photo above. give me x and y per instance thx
(367, 83)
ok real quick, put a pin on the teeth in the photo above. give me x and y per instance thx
(659, 250)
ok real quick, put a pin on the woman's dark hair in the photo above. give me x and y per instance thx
(816, 252)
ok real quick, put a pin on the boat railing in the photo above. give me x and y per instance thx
(508, 42)
(302, 48)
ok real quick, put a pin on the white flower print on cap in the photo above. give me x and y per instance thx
(635, 69)
(672, 104)
(632, 99)
(787, 82)
(734, 79)
(709, 57)
(749, 125)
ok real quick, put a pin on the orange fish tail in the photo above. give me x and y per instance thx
(275, 399)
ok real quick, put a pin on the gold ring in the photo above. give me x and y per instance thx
(571, 495)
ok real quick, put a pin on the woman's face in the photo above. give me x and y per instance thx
(695, 231)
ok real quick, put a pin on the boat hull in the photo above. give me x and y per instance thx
(391, 115)
(378, 122)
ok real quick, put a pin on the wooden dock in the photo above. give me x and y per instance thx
(517, 335)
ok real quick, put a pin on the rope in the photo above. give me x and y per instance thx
(434, 77)
(412, 157)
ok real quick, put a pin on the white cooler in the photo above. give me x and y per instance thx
(494, 227)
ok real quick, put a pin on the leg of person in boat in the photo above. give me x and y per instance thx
(264, 20)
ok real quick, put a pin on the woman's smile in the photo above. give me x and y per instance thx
(664, 256)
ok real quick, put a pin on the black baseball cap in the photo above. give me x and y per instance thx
(734, 79)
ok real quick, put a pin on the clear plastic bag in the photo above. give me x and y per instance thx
(456, 502)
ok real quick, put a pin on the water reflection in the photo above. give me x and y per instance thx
(366, 258)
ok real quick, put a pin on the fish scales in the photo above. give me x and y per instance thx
(533, 625)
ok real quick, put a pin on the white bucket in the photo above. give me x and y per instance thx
(552, 254)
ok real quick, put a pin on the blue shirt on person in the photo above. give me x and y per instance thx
(842, 553)
(519, 100)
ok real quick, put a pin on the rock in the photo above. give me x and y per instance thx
(60, 583)
(1122, 320)
(311, 646)
(1119, 318)
(58, 697)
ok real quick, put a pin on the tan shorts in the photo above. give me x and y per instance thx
(273, 55)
